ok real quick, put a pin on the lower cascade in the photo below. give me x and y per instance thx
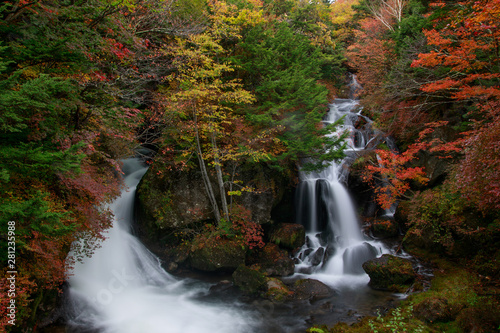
(122, 287)
(335, 248)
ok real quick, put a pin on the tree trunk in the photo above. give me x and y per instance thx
(204, 173)
(220, 181)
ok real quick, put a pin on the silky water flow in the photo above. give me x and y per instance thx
(335, 247)
(123, 288)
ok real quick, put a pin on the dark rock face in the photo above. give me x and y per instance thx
(274, 261)
(170, 203)
(401, 214)
(223, 255)
(309, 289)
(390, 273)
(289, 236)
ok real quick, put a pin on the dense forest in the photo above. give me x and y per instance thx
(217, 84)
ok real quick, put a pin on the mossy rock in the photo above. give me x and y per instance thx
(482, 318)
(433, 309)
(289, 236)
(310, 289)
(275, 261)
(222, 255)
(390, 273)
(249, 280)
(417, 240)
(277, 291)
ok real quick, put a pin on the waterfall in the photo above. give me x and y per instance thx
(335, 247)
(123, 288)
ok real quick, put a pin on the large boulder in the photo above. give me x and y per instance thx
(223, 255)
(289, 236)
(274, 261)
(310, 289)
(390, 273)
(249, 280)
(433, 309)
(253, 282)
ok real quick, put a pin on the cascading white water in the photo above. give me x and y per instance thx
(335, 247)
(122, 287)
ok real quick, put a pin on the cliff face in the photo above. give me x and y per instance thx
(176, 201)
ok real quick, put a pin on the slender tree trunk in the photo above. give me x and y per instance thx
(204, 173)
(220, 181)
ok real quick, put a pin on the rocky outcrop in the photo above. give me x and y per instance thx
(390, 273)
(223, 255)
(169, 202)
(289, 236)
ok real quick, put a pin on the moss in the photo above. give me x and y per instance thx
(249, 280)
(289, 236)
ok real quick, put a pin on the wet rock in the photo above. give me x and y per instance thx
(390, 273)
(289, 236)
(329, 253)
(223, 255)
(355, 256)
(317, 257)
(221, 286)
(433, 310)
(308, 252)
(172, 267)
(249, 280)
(309, 289)
(274, 261)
